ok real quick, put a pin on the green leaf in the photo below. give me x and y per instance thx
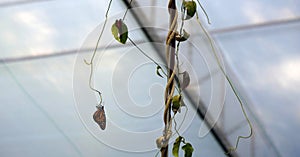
(157, 71)
(176, 100)
(120, 31)
(188, 150)
(176, 145)
(114, 31)
(123, 33)
(191, 8)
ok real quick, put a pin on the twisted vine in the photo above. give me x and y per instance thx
(170, 87)
(171, 51)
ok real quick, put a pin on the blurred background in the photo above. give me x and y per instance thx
(43, 42)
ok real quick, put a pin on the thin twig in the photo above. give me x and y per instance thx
(145, 54)
(91, 63)
(202, 8)
(129, 6)
(175, 125)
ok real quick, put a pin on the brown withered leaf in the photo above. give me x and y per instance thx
(99, 117)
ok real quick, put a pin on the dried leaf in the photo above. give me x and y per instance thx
(99, 117)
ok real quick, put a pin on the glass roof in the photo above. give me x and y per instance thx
(47, 108)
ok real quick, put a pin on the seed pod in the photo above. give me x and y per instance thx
(99, 117)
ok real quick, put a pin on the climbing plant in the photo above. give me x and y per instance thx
(173, 96)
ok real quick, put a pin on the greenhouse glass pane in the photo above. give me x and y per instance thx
(266, 61)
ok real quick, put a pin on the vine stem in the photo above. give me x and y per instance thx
(231, 86)
(170, 53)
(145, 54)
(202, 8)
(91, 62)
(153, 61)
(127, 10)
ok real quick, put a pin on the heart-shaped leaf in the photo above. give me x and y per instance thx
(188, 150)
(99, 117)
(120, 31)
(191, 8)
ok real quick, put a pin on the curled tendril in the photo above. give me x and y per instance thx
(202, 8)
(231, 149)
(91, 62)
